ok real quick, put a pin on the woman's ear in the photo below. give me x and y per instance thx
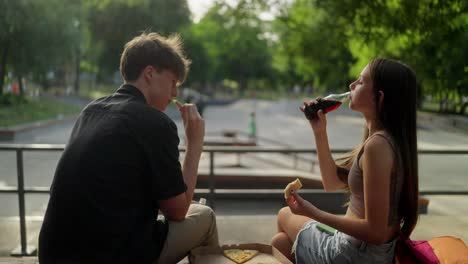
(381, 99)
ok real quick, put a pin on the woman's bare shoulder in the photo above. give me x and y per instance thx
(378, 149)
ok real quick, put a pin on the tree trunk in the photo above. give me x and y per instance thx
(44, 82)
(3, 60)
(20, 85)
(242, 85)
(76, 86)
(463, 108)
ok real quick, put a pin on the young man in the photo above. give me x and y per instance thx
(121, 166)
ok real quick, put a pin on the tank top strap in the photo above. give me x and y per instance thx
(388, 137)
(383, 134)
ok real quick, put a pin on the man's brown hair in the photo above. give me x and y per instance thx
(164, 53)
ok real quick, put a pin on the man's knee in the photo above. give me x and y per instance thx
(207, 214)
(205, 220)
(203, 213)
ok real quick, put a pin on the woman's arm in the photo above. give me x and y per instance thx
(377, 162)
(328, 169)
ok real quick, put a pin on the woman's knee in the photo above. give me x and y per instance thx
(283, 214)
(282, 242)
(280, 239)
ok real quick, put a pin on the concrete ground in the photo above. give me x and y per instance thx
(248, 222)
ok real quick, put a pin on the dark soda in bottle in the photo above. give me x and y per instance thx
(327, 104)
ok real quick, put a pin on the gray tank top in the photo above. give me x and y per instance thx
(356, 185)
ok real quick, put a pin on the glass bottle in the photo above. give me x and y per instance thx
(327, 104)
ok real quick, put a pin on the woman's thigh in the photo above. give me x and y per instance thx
(291, 223)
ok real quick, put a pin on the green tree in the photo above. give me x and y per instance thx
(429, 35)
(234, 41)
(313, 46)
(34, 39)
(113, 23)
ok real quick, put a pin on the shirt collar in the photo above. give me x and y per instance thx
(132, 91)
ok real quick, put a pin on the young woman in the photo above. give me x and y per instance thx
(381, 175)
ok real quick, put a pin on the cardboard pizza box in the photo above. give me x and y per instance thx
(214, 255)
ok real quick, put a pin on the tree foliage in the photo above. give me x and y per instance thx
(235, 48)
(314, 46)
(429, 35)
(113, 23)
(310, 42)
(36, 36)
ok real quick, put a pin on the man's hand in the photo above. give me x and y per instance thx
(194, 125)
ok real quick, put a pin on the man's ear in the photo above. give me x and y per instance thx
(381, 99)
(148, 73)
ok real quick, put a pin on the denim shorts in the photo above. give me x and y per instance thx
(315, 246)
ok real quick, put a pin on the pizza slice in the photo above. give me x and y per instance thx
(292, 186)
(240, 255)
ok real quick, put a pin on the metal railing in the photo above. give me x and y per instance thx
(21, 189)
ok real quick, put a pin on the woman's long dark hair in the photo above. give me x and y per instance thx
(398, 117)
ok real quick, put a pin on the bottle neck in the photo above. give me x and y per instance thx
(338, 97)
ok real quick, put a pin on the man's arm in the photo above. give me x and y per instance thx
(176, 207)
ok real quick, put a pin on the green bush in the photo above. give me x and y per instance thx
(12, 99)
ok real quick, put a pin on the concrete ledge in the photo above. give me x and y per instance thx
(22, 260)
(443, 120)
(8, 133)
(239, 178)
(332, 202)
(222, 141)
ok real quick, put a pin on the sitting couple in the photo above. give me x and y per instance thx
(121, 167)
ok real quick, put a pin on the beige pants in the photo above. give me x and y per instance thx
(198, 229)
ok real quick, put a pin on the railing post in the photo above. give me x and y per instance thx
(24, 249)
(212, 181)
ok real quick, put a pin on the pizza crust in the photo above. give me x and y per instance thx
(292, 186)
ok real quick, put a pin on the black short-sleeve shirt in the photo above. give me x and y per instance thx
(121, 159)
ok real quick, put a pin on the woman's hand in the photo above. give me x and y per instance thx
(300, 206)
(319, 124)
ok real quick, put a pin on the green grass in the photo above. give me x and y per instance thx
(34, 110)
